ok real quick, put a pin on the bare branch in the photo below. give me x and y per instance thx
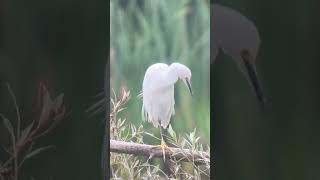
(154, 151)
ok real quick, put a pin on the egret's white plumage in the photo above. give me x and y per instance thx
(158, 91)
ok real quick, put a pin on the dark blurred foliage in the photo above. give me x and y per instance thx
(63, 44)
(281, 142)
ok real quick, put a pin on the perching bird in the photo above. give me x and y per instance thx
(158, 93)
(237, 37)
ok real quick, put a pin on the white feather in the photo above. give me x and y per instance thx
(158, 92)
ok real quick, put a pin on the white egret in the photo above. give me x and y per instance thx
(158, 93)
(239, 38)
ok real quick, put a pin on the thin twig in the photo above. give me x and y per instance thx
(17, 110)
(15, 153)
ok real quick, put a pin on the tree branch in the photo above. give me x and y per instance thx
(154, 151)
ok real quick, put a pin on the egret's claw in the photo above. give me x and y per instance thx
(163, 146)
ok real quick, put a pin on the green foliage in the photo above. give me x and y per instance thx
(147, 32)
(128, 166)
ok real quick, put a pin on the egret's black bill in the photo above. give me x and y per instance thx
(189, 86)
(246, 57)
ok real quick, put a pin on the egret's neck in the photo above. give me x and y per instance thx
(172, 75)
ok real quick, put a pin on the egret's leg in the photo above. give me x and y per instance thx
(163, 145)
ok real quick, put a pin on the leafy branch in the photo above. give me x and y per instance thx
(131, 158)
(51, 112)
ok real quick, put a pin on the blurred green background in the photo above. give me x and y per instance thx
(65, 43)
(148, 32)
(281, 143)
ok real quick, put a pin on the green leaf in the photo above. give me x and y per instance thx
(8, 125)
(197, 139)
(25, 133)
(152, 135)
(58, 101)
(172, 133)
(37, 151)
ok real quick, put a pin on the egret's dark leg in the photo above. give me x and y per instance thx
(161, 135)
(169, 164)
(163, 143)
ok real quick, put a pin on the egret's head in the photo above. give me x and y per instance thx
(183, 73)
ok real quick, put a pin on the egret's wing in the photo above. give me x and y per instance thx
(152, 111)
(166, 107)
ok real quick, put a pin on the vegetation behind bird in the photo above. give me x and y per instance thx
(163, 31)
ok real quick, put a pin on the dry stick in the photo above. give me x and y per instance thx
(154, 151)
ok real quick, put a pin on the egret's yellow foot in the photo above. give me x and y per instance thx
(163, 146)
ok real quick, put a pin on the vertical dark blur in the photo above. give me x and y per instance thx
(64, 44)
(281, 142)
